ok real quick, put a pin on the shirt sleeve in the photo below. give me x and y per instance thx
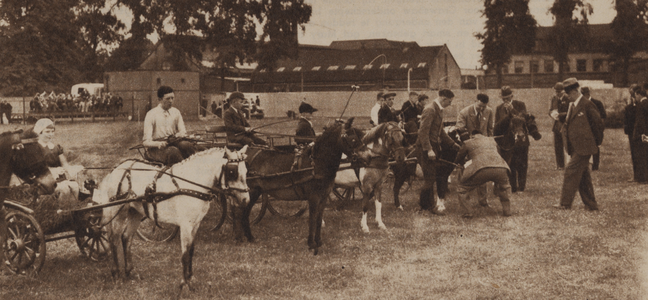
(182, 130)
(149, 121)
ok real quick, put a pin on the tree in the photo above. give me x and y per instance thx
(509, 28)
(630, 34)
(569, 30)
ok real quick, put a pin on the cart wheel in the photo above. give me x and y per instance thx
(150, 232)
(285, 208)
(344, 193)
(92, 239)
(25, 247)
(218, 209)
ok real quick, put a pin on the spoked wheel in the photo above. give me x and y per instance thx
(344, 193)
(285, 208)
(150, 232)
(92, 238)
(25, 246)
(218, 209)
(258, 211)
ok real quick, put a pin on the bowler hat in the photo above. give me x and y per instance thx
(236, 95)
(423, 97)
(413, 94)
(585, 90)
(506, 91)
(389, 95)
(570, 82)
(306, 108)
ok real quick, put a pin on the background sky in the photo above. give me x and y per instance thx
(427, 22)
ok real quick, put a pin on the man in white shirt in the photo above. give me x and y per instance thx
(376, 108)
(163, 130)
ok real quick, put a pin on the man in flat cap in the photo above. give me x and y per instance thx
(164, 130)
(480, 117)
(558, 112)
(428, 145)
(583, 133)
(236, 125)
(596, 160)
(386, 112)
(305, 125)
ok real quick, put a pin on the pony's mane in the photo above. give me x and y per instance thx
(199, 154)
(326, 135)
(377, 132)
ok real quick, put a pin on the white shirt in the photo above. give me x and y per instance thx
(160, 124)
(374, 113)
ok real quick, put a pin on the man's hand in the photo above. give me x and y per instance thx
(431, 154)
(554, 114)
(162, 144)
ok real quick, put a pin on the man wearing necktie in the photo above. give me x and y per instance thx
(583, 133)
(161, 123)
(236, 125)
(480, 117)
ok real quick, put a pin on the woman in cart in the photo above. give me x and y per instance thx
(67, 189)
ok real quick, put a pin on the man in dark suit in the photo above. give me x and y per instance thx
(596, 160)
(409, 114)
(487, 165)
(583, 133)
(558, 112)
(518, 157)
(628, 127)
(430, 137)
(386, 112)
(641, 128)
(236, 126)
(305, 127)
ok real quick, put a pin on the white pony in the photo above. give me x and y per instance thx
(385, 141)
(181, 192)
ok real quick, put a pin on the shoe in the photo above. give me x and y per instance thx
(437, 212)
(561, 207)
(591, 208)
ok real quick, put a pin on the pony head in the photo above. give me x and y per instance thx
(351, 139)
(517, 128)
(27, 160)
(233, 182)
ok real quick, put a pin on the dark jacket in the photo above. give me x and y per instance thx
(600, 107)
(410, 111)
(583, 129)
(641, 120)
(629, 118)
(386, 114)
(502, 112)
(235, 122)
(304, 129)
(482, 151)
(431, 133)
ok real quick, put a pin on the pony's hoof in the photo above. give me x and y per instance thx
(400, 207)
(382, 227)
(365, 229)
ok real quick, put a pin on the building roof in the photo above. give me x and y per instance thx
(600, 35)
(353, 60)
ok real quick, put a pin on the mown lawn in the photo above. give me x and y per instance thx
(538, 253)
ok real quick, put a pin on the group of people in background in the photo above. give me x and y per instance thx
(82, 102)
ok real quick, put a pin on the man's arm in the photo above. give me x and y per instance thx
(424, 132)
(149, 123)
(461, 156)
(230, 125)
(596, 123)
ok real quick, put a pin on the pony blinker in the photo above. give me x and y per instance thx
(231, 170)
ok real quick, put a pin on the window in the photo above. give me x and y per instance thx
(367, 67)
(421, 65)
(182, 80)
(384, 66)
(581, 65)
(403, 66)
(297, 69)
(505, 69)
(349, 67)
(598, 65)
(548, 66)
(281, 69)
(332, 68)
(316, 68)
(519, 67)
(535, 66)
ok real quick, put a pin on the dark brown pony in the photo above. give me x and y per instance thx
(295, 183)
(20, 154)
(404, 172)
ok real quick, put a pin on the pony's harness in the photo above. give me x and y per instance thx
(229, 172)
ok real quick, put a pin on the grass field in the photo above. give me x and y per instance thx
(538, 253)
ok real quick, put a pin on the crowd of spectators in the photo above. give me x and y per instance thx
(83, 102)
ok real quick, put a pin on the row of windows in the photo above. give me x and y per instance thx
(598, 65)
(347, 67)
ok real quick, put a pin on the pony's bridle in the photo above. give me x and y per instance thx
(387, 137)
(347, 144)
(229, 172)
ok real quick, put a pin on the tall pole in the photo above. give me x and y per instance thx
(408, 80)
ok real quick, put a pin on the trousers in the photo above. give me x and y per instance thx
(578, 178)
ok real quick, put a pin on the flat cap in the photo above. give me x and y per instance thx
(559, 86)
(569, 82)
(236, 95)
(389, 95)
(413, 94)
(306, 108)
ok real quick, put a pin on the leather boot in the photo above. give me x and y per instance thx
(506, 208)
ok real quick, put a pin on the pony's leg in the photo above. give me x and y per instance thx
(254, 197)
(187, 235)
(115, 232)
(312, 219)
(237, 214)
(367, 194)
(320, 216)
(134, 219)
(399, 180)
(378, 202)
